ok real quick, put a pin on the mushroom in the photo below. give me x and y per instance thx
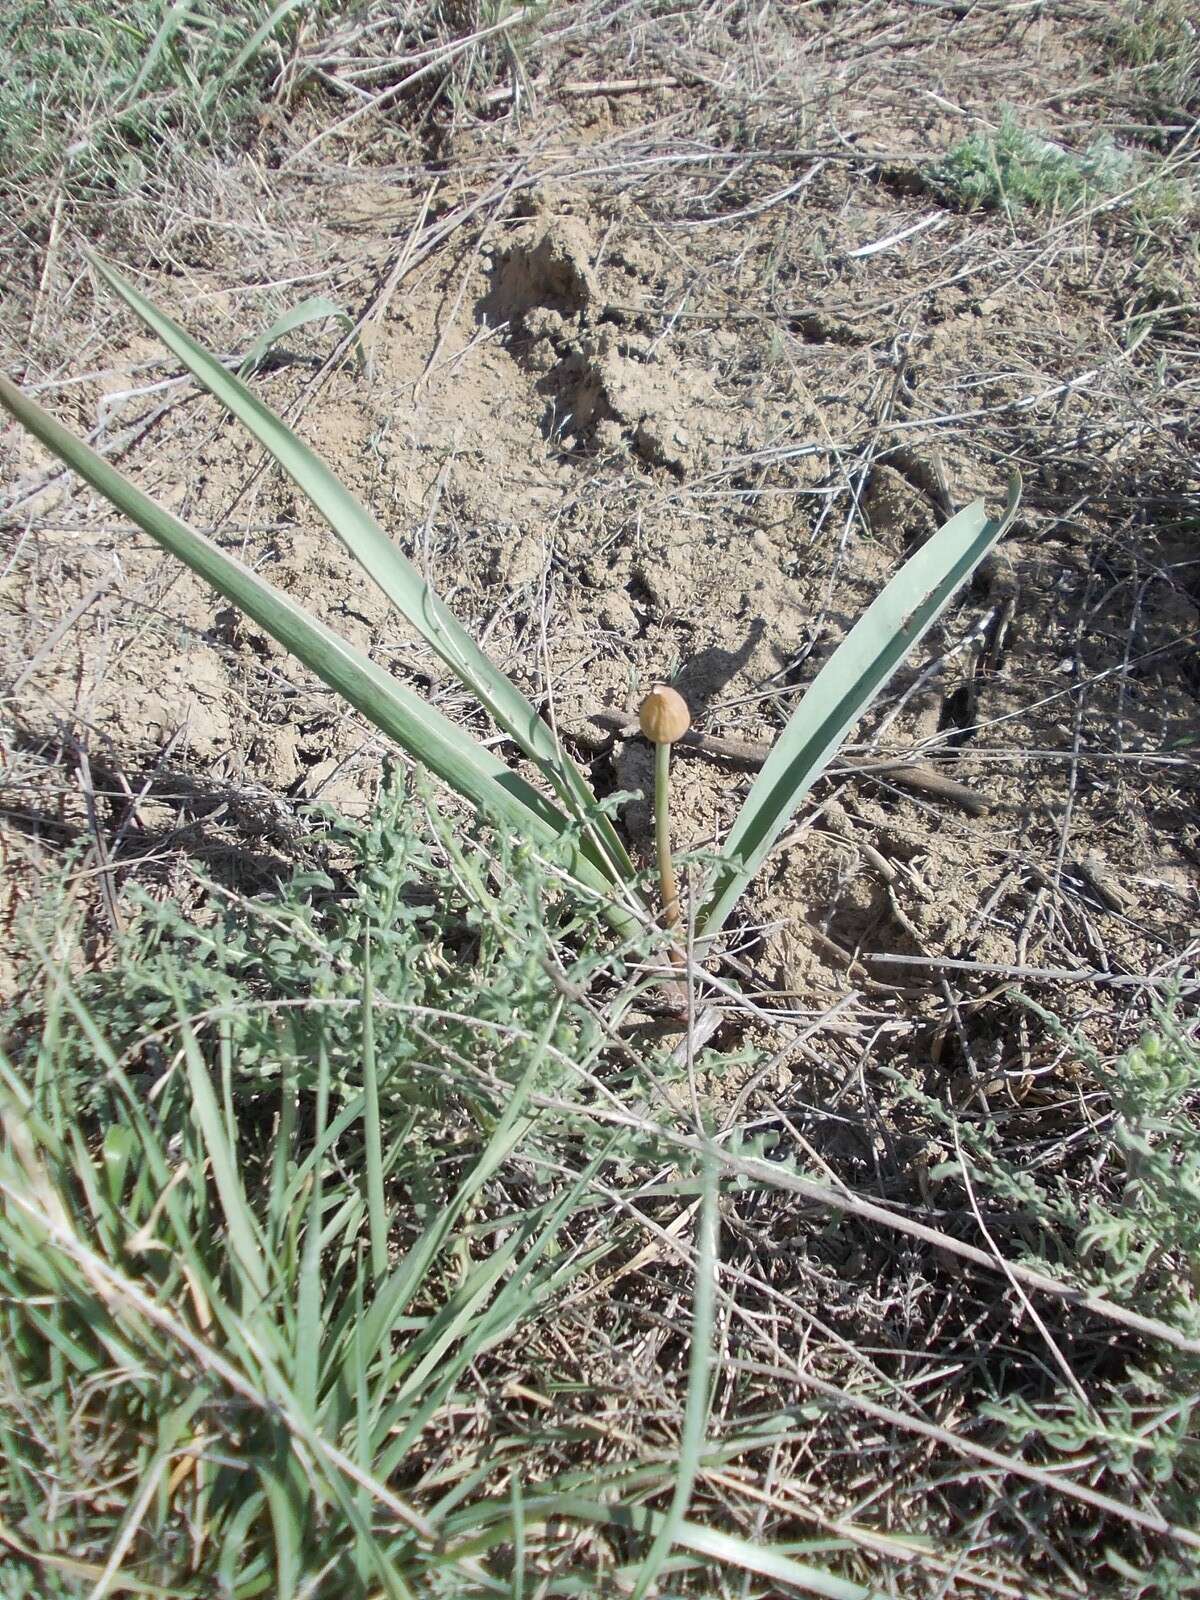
(663, 718)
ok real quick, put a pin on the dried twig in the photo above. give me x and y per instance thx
(601, 727)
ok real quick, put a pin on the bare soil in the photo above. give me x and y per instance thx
(636, 429)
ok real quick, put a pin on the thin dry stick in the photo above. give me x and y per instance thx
(99, 848)
(1116, 980)
(971, 1451)
(603, 726)
(1052, 1481)
(576, 91)
(378, 311)
(58, 633)
(39, 299)
(1031, 1311)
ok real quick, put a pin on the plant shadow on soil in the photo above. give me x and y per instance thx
(160, 825)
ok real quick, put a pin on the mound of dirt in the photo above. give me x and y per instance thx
(549, 264)
(608, 388)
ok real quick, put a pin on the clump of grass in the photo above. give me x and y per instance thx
(1015, 170)
(1160, 43)
(275, 1199)
(299, 1204)
(299, 1208)
(99, 99)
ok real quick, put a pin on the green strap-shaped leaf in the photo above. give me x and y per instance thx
(845, 687)
(317, 309)
(394, 574)
(427, 735)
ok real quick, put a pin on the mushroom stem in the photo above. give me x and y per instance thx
(663, 718)
(662, 837)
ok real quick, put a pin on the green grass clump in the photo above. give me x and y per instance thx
(300, 1205)
(1159, 43)
(99, 99)
(277, 1203)
(1013, 170)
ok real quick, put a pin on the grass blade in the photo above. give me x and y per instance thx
(695, 1420)
(387, 567)
(245, 1239)
(307, 1365)
(250, 49)
(428, 736)
(845, 687)
(316, 309)
(711, 1543)
(372, 1136)
(168, 28)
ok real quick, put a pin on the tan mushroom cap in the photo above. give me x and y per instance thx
(664, 715)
